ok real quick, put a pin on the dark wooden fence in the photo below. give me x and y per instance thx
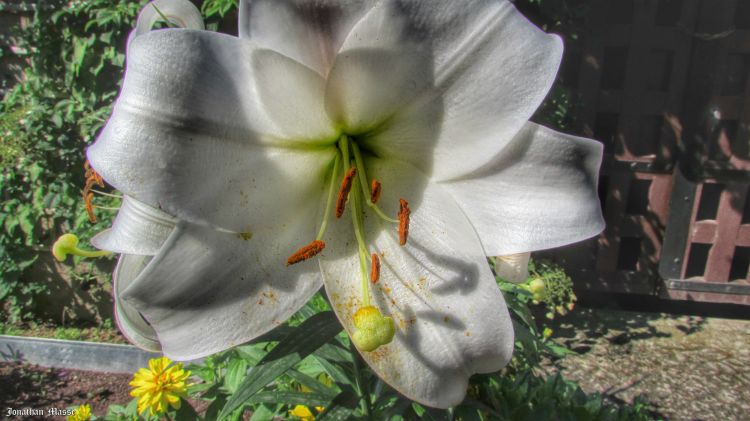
(665, 86)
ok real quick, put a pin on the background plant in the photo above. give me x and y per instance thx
(74, 51)
(309, 362)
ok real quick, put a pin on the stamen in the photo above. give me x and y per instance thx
(92, 178)
(403, 221)
(346, 186)
(375, 192)
(87, 200)
(329, 199)
(306, 252)
(375, 273)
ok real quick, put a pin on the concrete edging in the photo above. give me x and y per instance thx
(78, 355)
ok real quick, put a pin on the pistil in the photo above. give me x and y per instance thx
(372, 328)
(68, 244)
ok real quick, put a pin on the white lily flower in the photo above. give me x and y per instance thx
(227, 148)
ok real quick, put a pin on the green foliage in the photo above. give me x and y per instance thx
(558, 294)
(311, 363)
(75, 56)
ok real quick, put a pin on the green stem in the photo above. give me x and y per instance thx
(362, 387)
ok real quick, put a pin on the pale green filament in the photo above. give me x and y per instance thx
(116, 196)
(329, 200)
(362, 175)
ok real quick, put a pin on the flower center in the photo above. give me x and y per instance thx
(373, 329)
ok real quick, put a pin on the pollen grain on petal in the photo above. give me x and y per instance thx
(403, 221)
(346, 186)
(375, 191)
(375, 272)
(306, 252)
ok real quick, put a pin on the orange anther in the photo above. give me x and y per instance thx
(403, 221)
(346, 185)
(92, 177)
(375, 272)
(306, 252)
(375, 191)
(87, 200)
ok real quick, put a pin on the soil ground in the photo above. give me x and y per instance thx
(29, 386)
(685, 367)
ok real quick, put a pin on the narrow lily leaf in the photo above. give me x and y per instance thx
(477, 405)
(186, 412)
(306, 311)
(333, 352)
(252, 354)
(336, 372)
(274, 335)
(292, 398)
(342, 407)
(212, 412)
(301, 342)
(522, 311)
(261, 413)
(311, 383)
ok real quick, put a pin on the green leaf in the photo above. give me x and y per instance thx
(292, 398)
(311, 383)
(186, 412)
(261, 413)
(342, 407)
(236, 371)
(212, 412)
(301, 342)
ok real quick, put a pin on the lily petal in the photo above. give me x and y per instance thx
(182, 137)
(450, 316)
(539, 192)
(130, 322)
(137, 229)
(489, 69)
(208, 290)
(308, 31)
(180, 12)
(492, 69)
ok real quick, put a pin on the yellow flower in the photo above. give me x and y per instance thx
(159, 385)
(303, 413)
(82, 413)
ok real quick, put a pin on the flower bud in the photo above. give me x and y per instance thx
(373, 329)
